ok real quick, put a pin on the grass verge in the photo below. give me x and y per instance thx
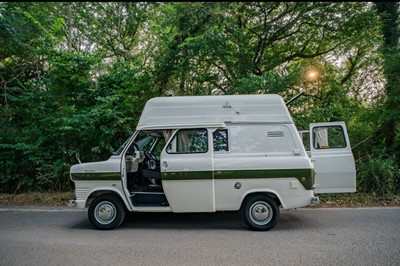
(37, 198)
(357, 200)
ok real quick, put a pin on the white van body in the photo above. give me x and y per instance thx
(216, 153)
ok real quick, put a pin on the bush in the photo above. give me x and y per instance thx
(378, 174)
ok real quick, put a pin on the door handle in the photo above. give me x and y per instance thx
(165, 165)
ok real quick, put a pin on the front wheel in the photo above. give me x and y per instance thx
(106, 212)
(260, 212)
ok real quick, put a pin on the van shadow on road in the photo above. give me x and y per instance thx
(289, 220)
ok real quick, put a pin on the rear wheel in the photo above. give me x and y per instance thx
(106, 212)
(260, 212)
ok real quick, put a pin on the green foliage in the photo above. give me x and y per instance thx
(389, 19)
(75, 76)
(269, 82)
(378, 174)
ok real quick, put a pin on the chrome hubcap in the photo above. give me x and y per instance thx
(260, 213)
(105, 212)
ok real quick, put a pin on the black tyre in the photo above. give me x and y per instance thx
(260, 212)
(106, 212)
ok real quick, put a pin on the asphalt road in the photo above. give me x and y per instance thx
(63, 236)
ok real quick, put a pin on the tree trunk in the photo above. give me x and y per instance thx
(389, 14)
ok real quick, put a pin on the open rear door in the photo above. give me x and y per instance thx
(332, 158)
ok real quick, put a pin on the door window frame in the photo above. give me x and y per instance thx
(167, 150)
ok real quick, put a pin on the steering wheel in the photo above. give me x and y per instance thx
(135, 148)
(151, 155)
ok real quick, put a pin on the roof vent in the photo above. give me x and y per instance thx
(275, 134)
(226, 105)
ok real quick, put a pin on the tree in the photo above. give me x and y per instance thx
(389, 14)
(75, 76)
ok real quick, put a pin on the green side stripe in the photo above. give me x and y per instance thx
(96, 176)
(195, 175)
(305, 176)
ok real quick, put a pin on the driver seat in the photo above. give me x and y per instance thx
(153, 178)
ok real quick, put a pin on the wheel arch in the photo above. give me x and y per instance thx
(103, 191)
(272, 194)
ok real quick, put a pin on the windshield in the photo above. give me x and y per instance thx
(121, 148)
(143, 142)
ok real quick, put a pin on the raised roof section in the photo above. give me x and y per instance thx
(178, 111)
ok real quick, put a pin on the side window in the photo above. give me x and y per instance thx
(158, 148)
(189, 141)
(220, 140)
(330, 137)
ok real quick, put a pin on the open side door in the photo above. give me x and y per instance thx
(332, 158)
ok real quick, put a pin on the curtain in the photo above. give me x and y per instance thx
(321, 134)
(167, 134)
(183, 141)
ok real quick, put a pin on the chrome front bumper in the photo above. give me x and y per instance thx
(77, 203)
(71, 203)
(315, 201)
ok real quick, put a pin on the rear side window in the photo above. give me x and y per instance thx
(330, 137)
(189, 141)
(220, 140)
(305, 138)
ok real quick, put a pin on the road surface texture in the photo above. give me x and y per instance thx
(63, 236)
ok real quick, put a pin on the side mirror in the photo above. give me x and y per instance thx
(77, 156)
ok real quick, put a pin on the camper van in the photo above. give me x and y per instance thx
(216, 153)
